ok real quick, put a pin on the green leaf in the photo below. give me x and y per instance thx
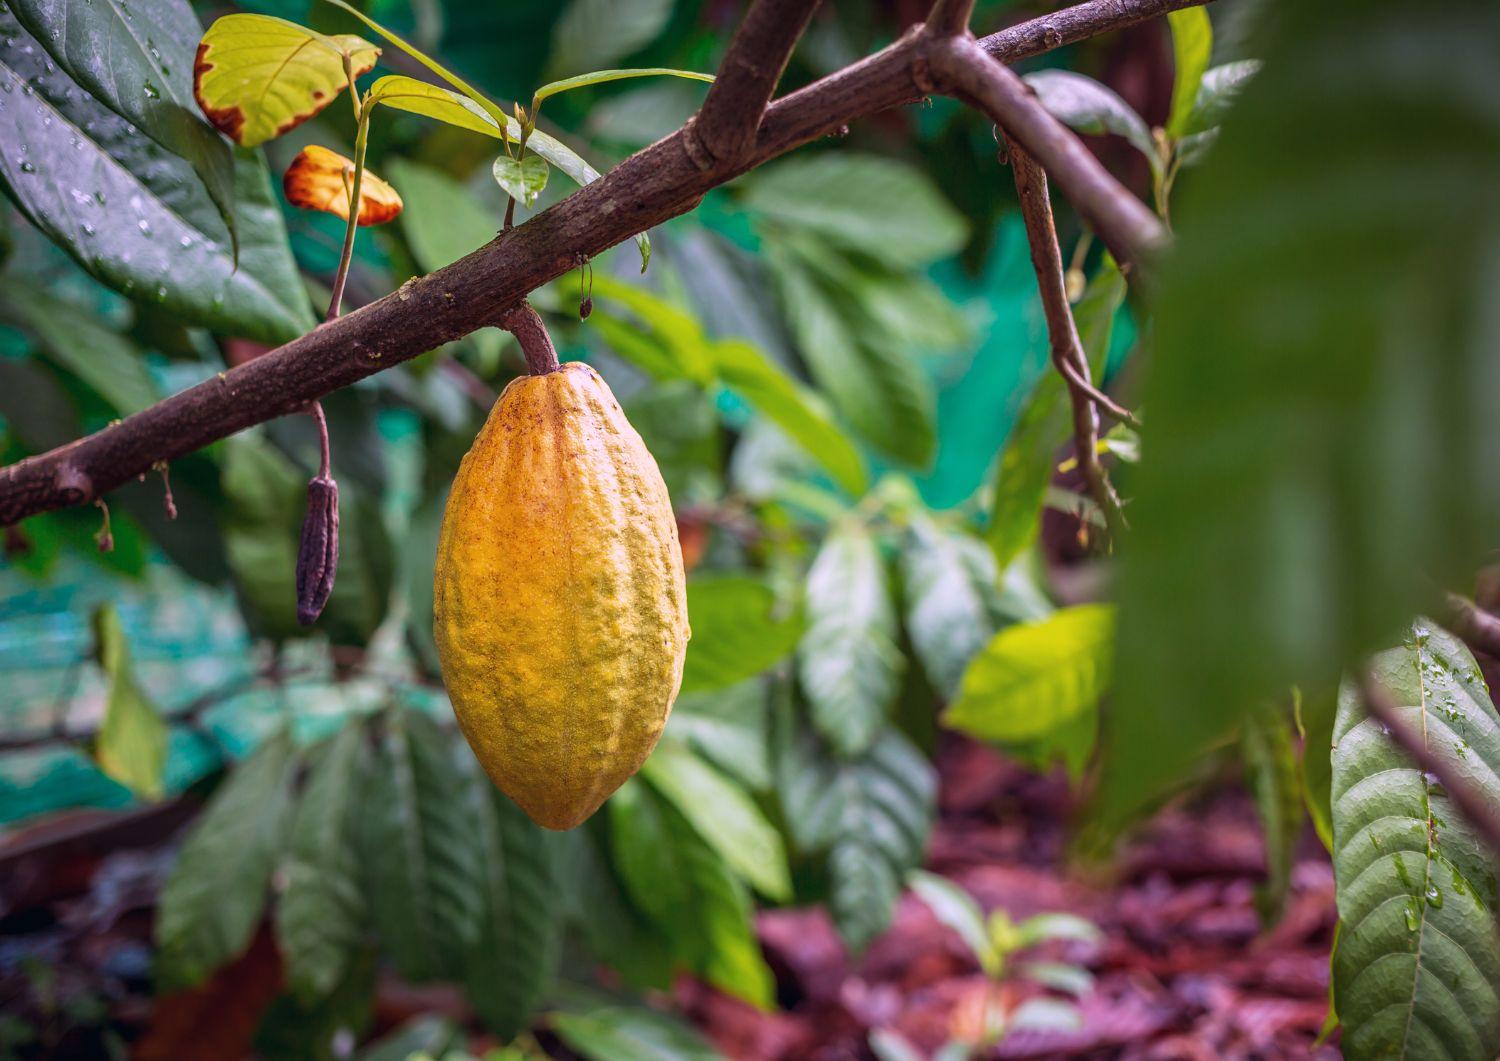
(1220, 88)
(418, 851)
(728, 727)
(1192, 45)
(1270, 746)
(132, 743)
(602, 1030)
(434, 101)
(1315, 725)
(738, 631)
(139, 63)
(594, 33)
(1316, 460)
(875, 205)
(615, 931)
(684, 887)
(879, 389)
(1033, 678)
(724, 815)
(1417, 970)
(320, 916)
(950, 595)
(771, 392)
(443, 220)
(671, 346)
(524, 178)
(849, 661)
(80, 344)
(956, 909)
(136, 217)
(213, 898)
(509, 969)
(1085, 105)
(599, 77)
(1045, 423)
(257, 76)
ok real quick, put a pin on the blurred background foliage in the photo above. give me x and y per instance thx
(839, 362)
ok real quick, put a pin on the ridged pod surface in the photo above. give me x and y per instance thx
(560, 606)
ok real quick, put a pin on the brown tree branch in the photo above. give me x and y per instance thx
(1477, 810)
(657, 183)
(725, 126)
(1067, 349)
(962, 66)
(950, 16)
(1476, 627)
(536, 345)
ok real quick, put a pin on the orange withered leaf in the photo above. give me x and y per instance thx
(320, 179)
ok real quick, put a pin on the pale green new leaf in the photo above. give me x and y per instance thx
(849, 662)
(739, 630)
(599, 77)
(724, 815)
(132, 743)
(213, 899)
(1417, 969)
(1192, 46)
(1033, 678)
(433, 101)
(320, 916)
(522, 178)
(957, 909)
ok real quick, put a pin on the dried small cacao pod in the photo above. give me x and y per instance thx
(318, 555)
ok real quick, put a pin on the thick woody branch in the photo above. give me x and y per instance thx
(961, 65)
(1067, 349)
(657, 183)
(1476, 808)
(726, 124)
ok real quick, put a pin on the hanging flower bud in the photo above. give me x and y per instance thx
(318, 555)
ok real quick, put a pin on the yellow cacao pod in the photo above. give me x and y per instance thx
(559, 603)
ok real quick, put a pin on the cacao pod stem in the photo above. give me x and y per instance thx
(522, 322)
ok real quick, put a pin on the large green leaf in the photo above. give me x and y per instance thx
(443, 220)
(848, 661)
(724, 815)
(320, 916)
(80, 344)
(594, 33)
(1192, 47)
(1034, 678)
(132, 743)
(728, 727)
(868, 203)
(1417, 969)
(1045, 422)
(951, 594)
(138, 61)
(509, 969)
(418, 852)
(1318, 457)
(871, 817)
(738, 631)
(136, 217)
(749, 373)
(213, 899)
(601, 1029)
(1084, 104)
(688, 891)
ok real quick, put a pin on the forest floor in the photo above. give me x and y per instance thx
(1185, 970)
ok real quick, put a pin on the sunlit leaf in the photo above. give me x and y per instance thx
(132, 743)
(434, 101)
(1417, 969)
(257, 76)
(522, 178)
(599, 77)
(320, 179)
(1034, 677)
(1192, 45)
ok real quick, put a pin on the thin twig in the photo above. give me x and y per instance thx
(1067, 350)
(660, 182)
(962, 67)
(524, 323)
(950, 16)
(725, 127)
(1476, 808)
(1475, 627)
(1106, 404)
